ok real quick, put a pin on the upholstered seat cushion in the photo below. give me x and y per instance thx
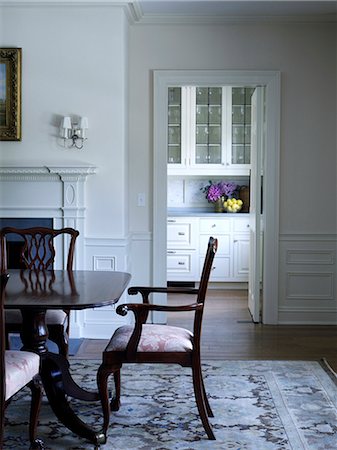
(154, 338)
(21, 367)
(53, 316)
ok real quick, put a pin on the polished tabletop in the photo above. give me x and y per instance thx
(60, 289)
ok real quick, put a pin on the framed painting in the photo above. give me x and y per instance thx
(10, 94)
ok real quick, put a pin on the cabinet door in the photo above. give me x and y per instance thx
(182, 265)
(174, 126)
(241, 257)
(182, 232)
(207, 126)
(240, 132)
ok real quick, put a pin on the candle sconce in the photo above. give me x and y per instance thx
(75, 132)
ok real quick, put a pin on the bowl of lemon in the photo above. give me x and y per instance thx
(233, 205)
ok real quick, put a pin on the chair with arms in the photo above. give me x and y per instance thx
(152, 343)
(18, 369)
(38, 253)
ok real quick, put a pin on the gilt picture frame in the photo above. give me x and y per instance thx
(10, 94)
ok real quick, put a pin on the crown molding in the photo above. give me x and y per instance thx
(136, 16)
(131, 10)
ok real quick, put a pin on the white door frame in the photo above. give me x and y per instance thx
(271, 80)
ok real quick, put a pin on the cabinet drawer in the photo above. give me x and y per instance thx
(181, 265)
(224, 246)
(220, 268)
(241, 224)
(181, 233)
(214, 226)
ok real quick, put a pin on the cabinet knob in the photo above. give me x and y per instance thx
(171, 220)
(180, 263)
(181, 233)
(171, 252)
(214, 225)
(247, 225)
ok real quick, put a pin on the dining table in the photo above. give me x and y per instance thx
(34, 292)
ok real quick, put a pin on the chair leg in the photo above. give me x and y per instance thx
(208, 407)
(102, 384)
(116, 400)
(36, 390)
(199, 398)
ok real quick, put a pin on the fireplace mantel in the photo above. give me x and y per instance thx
(47, 191)
(48, 172)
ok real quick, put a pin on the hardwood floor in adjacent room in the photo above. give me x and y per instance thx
(228, 333)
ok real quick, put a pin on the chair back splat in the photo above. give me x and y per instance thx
(154, 343)
(18, 369)
(37, 253)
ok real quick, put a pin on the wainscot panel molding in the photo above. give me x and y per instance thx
(307, 289)
(111, 254)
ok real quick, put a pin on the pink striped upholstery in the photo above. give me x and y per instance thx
(21, 367)
(154, 338)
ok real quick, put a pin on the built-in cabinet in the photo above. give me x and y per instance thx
(209, 130)
(187, 239)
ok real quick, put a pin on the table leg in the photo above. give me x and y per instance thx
(56, 378)
(56, 390)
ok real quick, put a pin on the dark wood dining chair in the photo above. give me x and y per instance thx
(38, 253)
(152, 343)
(18, 369)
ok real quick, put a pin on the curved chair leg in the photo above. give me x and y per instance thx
(207, 405)
(36, 390)
(102, 384)
(116, 400)
(199, 398)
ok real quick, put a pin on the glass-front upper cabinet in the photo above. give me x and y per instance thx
(209, 129)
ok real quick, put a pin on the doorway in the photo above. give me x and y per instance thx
(271, 82)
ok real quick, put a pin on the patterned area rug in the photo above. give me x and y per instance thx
(258, 405)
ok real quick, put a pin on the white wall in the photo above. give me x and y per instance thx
(75, 63)
(305, 54)
(81, 60)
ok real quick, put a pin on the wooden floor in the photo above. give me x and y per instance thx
(228, 333)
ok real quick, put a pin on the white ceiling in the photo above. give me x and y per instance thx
(226, 10)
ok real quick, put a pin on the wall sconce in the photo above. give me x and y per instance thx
(74, 131)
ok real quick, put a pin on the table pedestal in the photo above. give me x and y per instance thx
(56, 377)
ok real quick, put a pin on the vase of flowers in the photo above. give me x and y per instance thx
(218, 193)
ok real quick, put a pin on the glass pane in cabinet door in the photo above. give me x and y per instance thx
(214, 135)
(174, 126)
(241, 124)
(247, 154)
(238, 134)
(208, 125)
(214, 154)
(174, 154)
(202, 114)
(173, 135)
(201, 96)
(214, 114)
(174, 96)
(214, 95)
(201, 154)
(202, 134)
(238, 154)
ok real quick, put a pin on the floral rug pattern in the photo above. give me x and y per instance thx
(257, 405)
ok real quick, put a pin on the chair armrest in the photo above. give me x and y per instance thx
(145, 291)
(140, 308)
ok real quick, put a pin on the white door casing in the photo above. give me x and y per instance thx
(271, 82)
